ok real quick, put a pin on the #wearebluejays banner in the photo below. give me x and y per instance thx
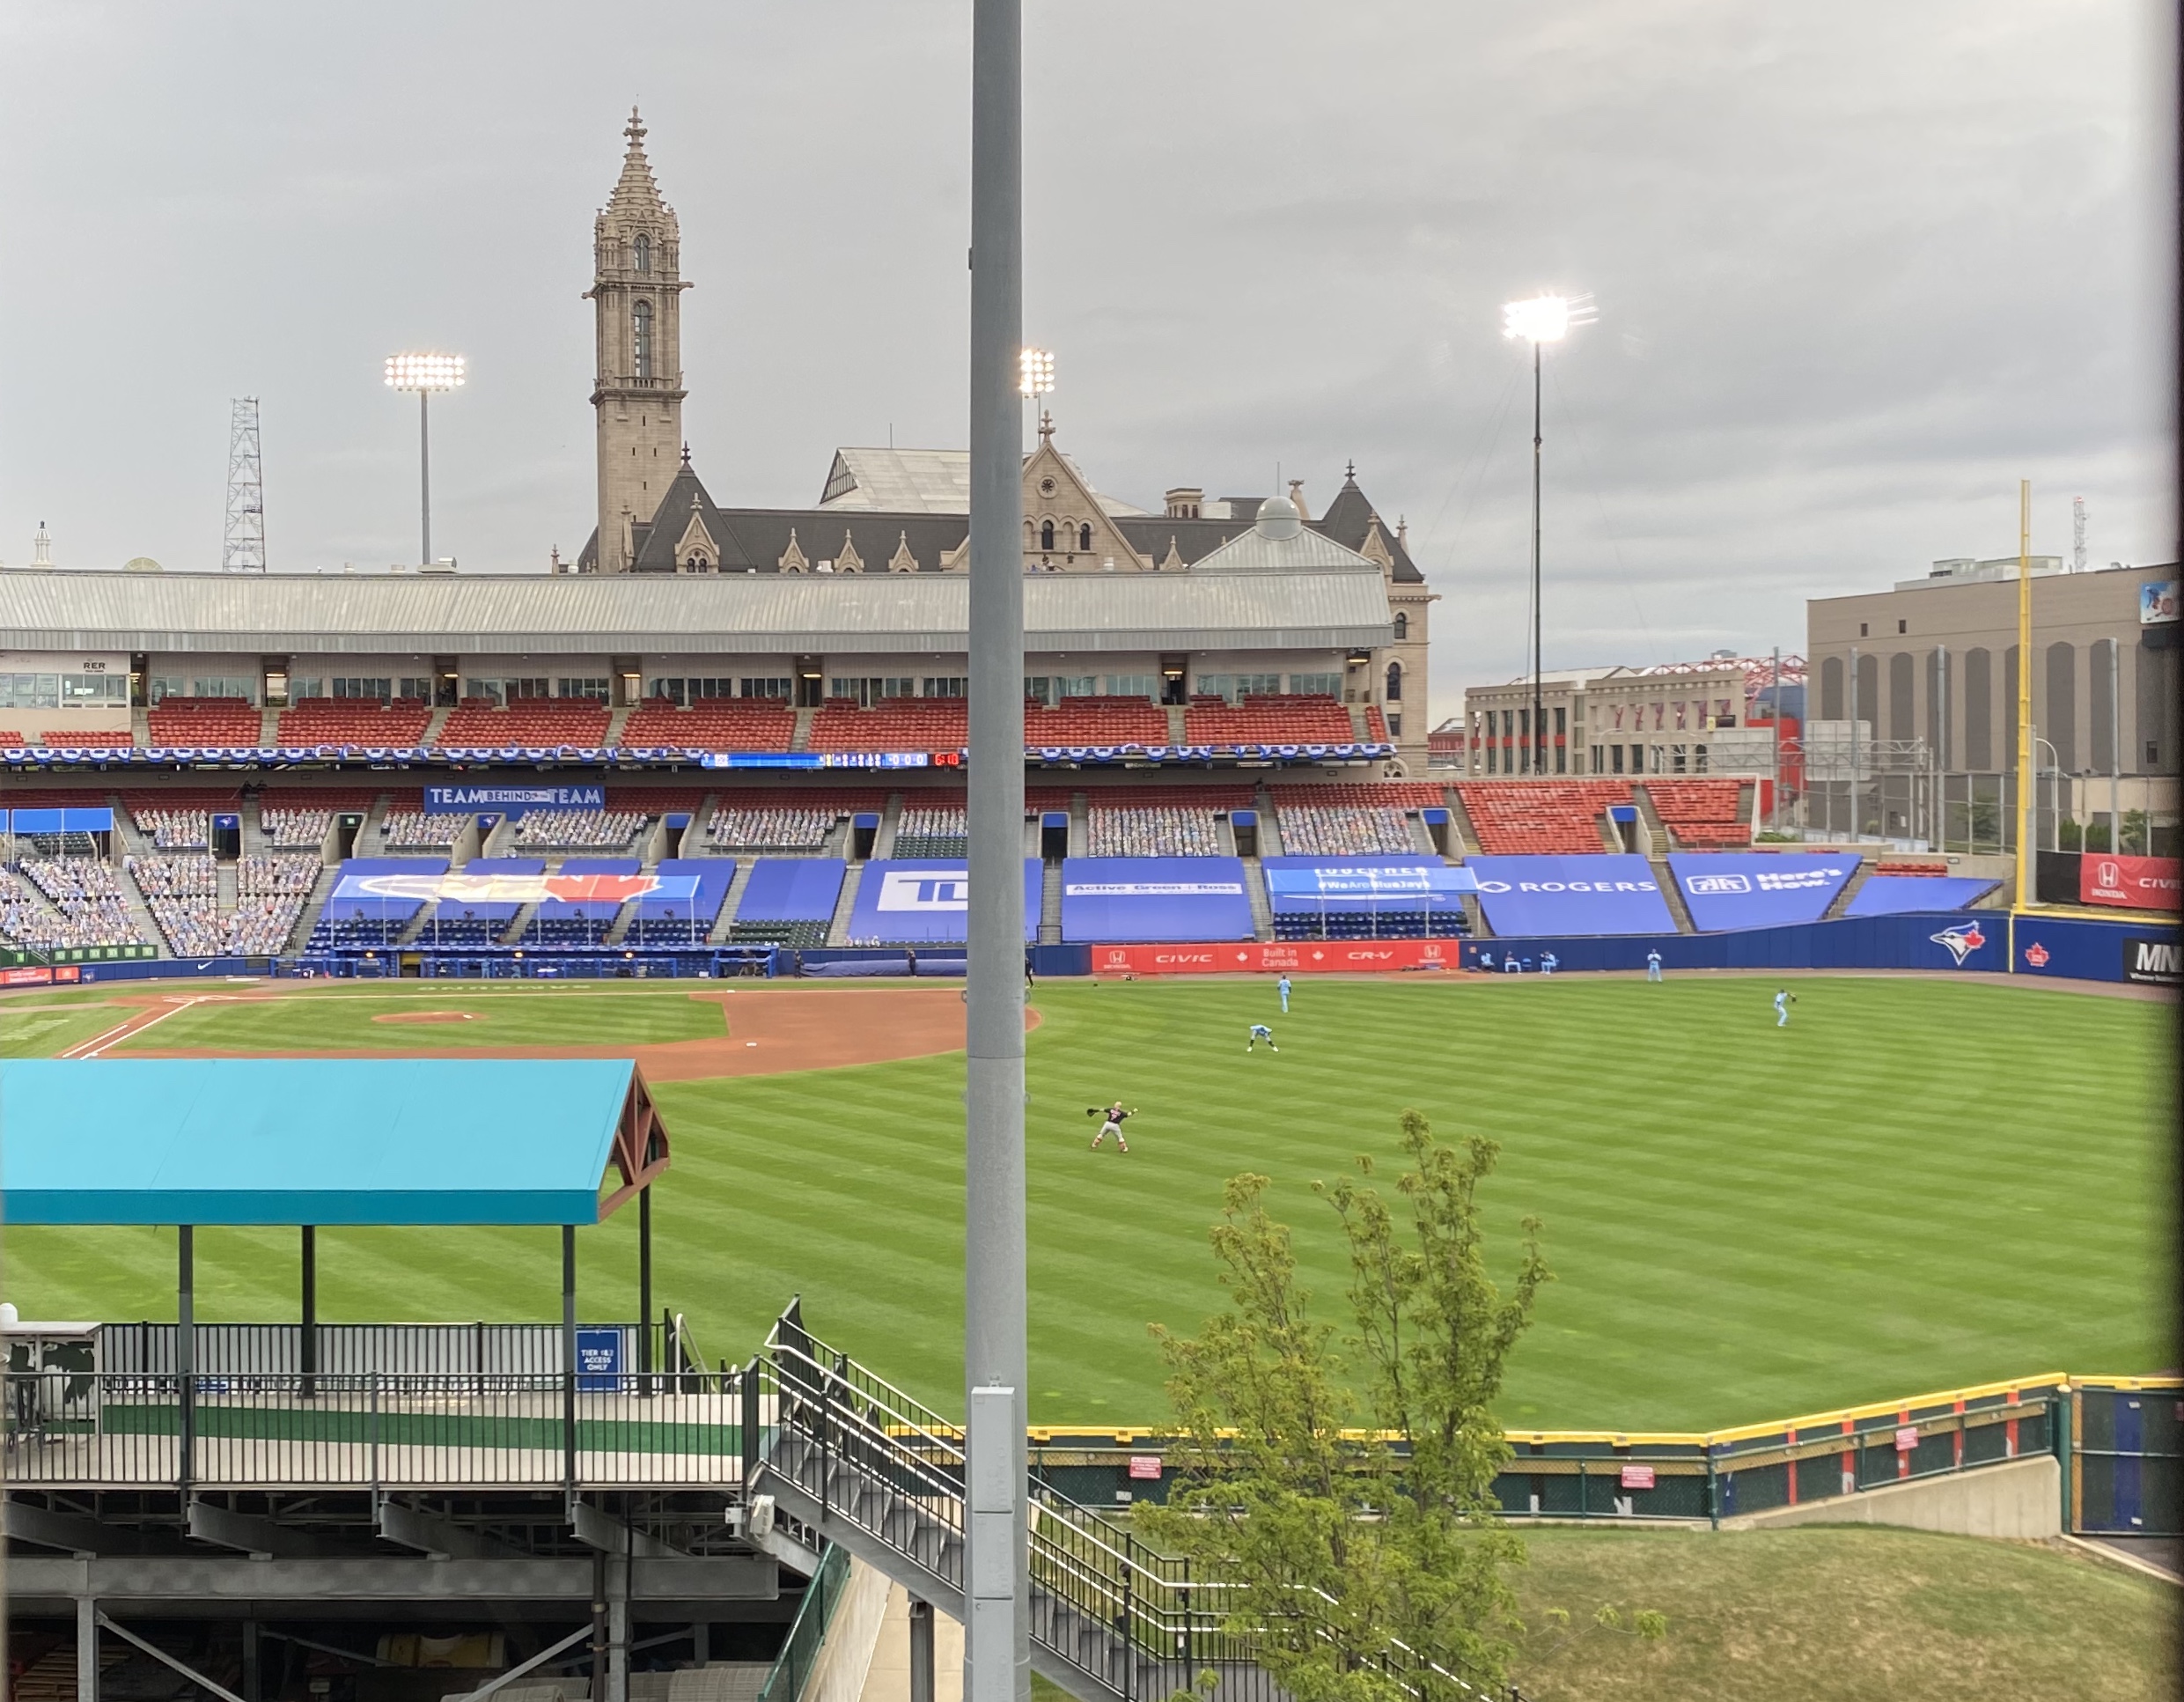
(1758, 889)
(917, 900)
(1612, 893)
(1153, 898)
(1366, 879)
(514, 889)
(511, 801)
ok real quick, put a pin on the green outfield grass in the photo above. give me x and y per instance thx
(1920, 1183)
(523, 1016)
(41, 1030)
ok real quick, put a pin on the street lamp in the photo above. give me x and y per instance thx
(424, 374)
(1541, 321)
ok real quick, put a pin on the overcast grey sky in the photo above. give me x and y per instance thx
(1859, 266)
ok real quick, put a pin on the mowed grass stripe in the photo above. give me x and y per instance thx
(1918, 1183)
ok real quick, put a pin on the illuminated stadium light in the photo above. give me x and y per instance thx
(1546, 319)
(424, 371)
(1036, 369)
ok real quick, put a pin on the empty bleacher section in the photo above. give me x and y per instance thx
(471, 921)
(202, 723)
(1596, 893)
(526, 724)
(891, 724)
(365, 722)
(1347, 821)
(566, 922)
(758, 818)
(932, 829)
(1366, 897)
(356, 918)
(711, 724)
(87, 895)
(1700, 814)
(1094, 723)
(662, 920)
(1519, 818)
(1121, 899)
(299, 819)
(81, 739)
(1267, 720)
(923, 901)
(1159, 821)
(789, 901)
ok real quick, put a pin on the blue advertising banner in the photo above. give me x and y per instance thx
(1148, 899)
(1355, 880)
(2096, 951)
(792, 889)
(915, 900)
(1727, 890)
(1610, 894)
(1900, 895)
(62, 821)
(511, 801)
(1971, 943)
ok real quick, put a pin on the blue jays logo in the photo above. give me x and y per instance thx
(1963, 941)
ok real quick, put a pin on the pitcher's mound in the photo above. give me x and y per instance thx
(427, 1016)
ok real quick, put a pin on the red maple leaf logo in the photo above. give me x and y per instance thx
(2036, 954)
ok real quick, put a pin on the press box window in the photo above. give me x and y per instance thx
(363, 686)
(945, 685)
(598, 690)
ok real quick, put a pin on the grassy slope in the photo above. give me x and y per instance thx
(333, 1022)
(1842, 1615)
(1883, 1199)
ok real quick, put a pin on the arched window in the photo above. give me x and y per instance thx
(1084, 536)
(641, 254)
(1046, 534)
(697, 564)
(1403, 624)
(1395, 682)
(641, 338)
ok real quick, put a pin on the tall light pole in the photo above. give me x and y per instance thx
(1541, 321)
(997, 1642)
(2027, 823)
(1035, 377)
(425, 373)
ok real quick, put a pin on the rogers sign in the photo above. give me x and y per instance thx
(1293, 957)
(2137, 883)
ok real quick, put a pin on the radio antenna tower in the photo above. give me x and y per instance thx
(2078, 534)
(244, 549)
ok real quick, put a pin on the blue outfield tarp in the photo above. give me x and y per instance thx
(1728, 890)
(926, 898)
(1152, 900)
(714, 876)
(345, 906)
(486, 909)
(1903, 895)
(1366, 879)
(792, 889)
(1551, 896)
(588, 910)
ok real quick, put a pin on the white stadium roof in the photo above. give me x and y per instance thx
(1332, 607)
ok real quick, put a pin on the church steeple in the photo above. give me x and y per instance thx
(637, 294)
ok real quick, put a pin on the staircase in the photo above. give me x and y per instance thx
(845, 906)
(1665, 878)
(863, 1465)
(1050, 905)
(730, 905)
(1261, 908)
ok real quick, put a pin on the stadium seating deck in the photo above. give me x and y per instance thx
(527, 723)
(1340, 820)
(1082, 721)
(1700, 814)
(891, 724)
(711, 724)
(1159, 820)
(764, 818)
(228, 722)
(1289, 720)
(1540, 817)
(79, 738)
(399, 723)
(297, 819)
(179, 820)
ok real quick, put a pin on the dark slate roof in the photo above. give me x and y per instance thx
(754, 540)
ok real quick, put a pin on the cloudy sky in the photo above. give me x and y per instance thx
(1859, 267)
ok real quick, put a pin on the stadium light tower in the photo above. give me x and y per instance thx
(1539, 321)
(426, 374)
(1034, 379)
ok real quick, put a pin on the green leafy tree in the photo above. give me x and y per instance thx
(1366, 1560)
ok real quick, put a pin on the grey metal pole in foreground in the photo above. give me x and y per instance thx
(424, 471)
(996, 1645)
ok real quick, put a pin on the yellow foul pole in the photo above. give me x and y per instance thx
(2027, 817)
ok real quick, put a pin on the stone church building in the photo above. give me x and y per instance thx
(907, 510)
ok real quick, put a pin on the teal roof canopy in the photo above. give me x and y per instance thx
(322, 1141)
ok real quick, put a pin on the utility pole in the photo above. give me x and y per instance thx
(996, 1643)
(1539, 749)
(2027, 845)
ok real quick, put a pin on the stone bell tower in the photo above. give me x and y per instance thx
(637, 297)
